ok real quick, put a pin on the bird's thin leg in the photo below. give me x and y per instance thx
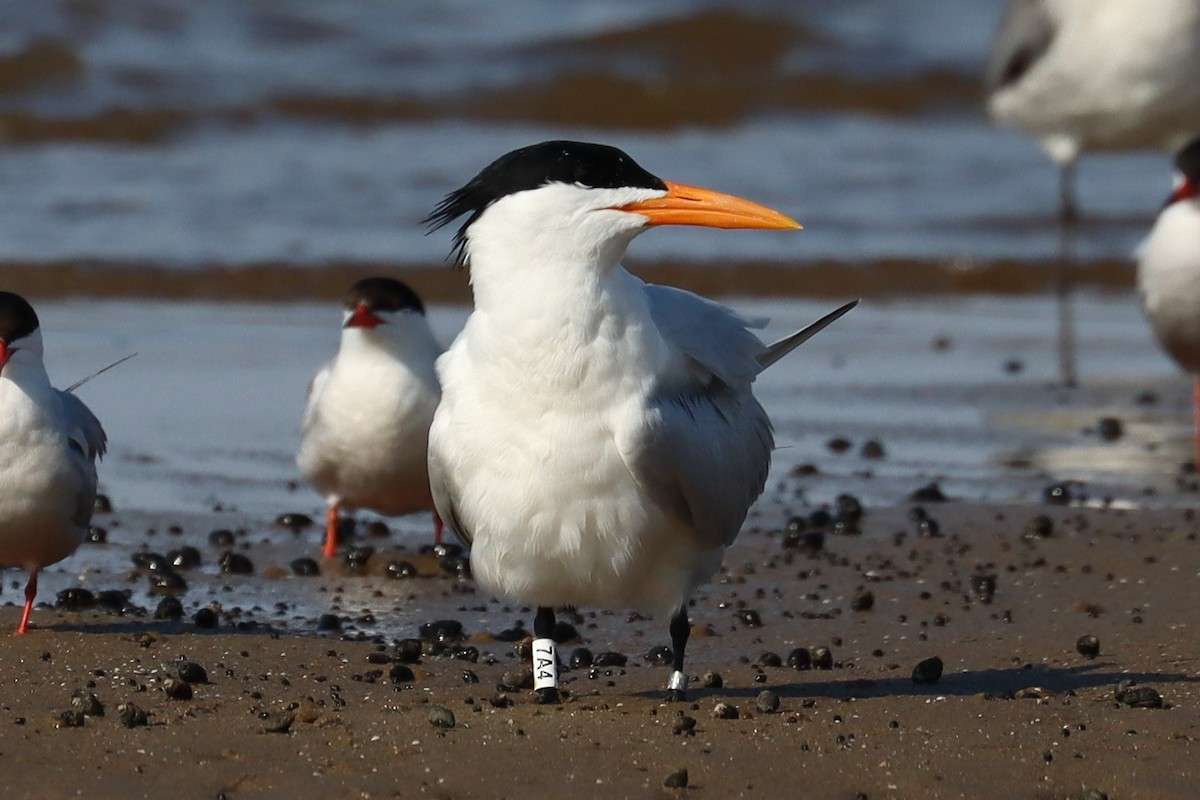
(331, 529)
(437, 529)
(30, 593)
(680, 630)
(545, 657)
(1064, 285)
(1196, 423)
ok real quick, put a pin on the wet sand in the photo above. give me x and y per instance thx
(956, 390)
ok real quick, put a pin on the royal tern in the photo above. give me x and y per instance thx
(1169, 275)
(1088, 75)
(366, 426)
(598, 443)
(49, 443)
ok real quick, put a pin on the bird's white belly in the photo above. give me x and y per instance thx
(39, 487)
(557, 518)
(1169, 279)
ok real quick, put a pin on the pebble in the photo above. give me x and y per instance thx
(725, 711)
(131, 715)
(190, 671)
(1088, 646)
(514, 680)
(168, 583)
(770, 659)
(329, 622)
(442, 631)
(580, 658)
(822, 657)
(750, 618)
(847, 507)
(1040, 527)
(169, 608)
(74, 599)
(293, 521)
(462, 652)
(928, 671)
(305, 567)
(96, 535)
(356, 558)
(799, 659)
(221, 537)
(205, 618)
(610, 658)
(863, 601)
(71, 718)
(660, 656)
(232, 563)
(177, 689)
(1109, 429)
(676, 780)
(684, 725)
(408, 651)
(186, 557)
(712, 680)
(102, 504)
(441, 717)
(86, 703)
(767, 702)
(1139, 697)
(984, 586)
(400, 569)
(401, 675)
(277, 721)
(929, 493)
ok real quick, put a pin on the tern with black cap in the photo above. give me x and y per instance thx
(49, 443)
(598, 442)
(365, 433)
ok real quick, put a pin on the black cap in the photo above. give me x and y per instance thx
(17, 318)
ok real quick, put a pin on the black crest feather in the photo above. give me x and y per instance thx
(383, 294)
(17, 317)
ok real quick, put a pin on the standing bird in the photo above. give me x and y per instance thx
(365, 434)
(597, 442)
(1088, 75)
(49, 443)
(1169, 275)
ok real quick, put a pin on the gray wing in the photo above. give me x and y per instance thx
(315, 386)
(84, 430)
(1025, 34)
(445, 497)
(702, 445)
(88, 442)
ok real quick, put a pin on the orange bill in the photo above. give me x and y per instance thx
(691, 205)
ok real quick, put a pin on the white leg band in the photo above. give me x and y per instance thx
(545, 664)
(678, 681)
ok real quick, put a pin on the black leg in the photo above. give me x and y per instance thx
(680, 630)
(1064, 288)
(545, 657)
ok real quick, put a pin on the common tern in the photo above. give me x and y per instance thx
(1169, 275)
(1091, 75)
(49, 443)
(598, 442)
(365, 433)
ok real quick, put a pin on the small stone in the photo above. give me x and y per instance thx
(684, 726)
(660, 656)
(232, 563)
(767, 702)
(131, 715)
(398, 570)
(799, 659)
(186, 557)
(221, 537)
(1040, 527)
(74, 599)
(514, 680)
(86, 703)
(305, 567)
(169, 608)
(277, 721)
(96, 535)
(1088, 646)
(190, 671)
(71, 718)
(1139, 697)
(1109, 429)
(676, 780)
(984, 586)
(443, 631)
(822, 657)
(928, 671)
(610, 658)
(863, 601)
(750, 618)
(724, 711)
(872, 449)
(293, 521)
(408, 651)
(441, 717)
(712, 680)
(205, 618)
(102, 504)
(177, 689)
(580, 658)
(401, 675)
(770, 659)
(929, 493)
(328, 622)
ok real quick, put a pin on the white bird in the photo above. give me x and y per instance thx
(1169, 275)
(365, 433)
(49, 443)
(1091, 75)
(598, 442)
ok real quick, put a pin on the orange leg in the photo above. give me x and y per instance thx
(30, 593)
(1196, 423)
(331, 530)
(438, 526)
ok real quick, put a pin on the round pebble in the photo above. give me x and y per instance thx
(441, 717)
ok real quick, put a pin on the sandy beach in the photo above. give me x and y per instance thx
(312, 690)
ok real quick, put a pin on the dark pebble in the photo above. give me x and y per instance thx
(458, 566)
(146, 559)
(117, 601)
(75, 599)
(929, 528)
(356, 558)
(1109, 429)
(1139, 697)
(928, 671)
(171, 583)
(750, 618)
(177, 689)
(838, 444)
(400, 569)
(462, 652)
(186, 557)
(684, 726)
(872, 449)
(676, 780)
(767, 702)
(610, 658)
(820, 519)
(514, 680)
(712, 680)
(1040, 527)
(277, 721)
(329, 622)
(131, 715)
(205, 618)
(822, 657)
(294, 522)
(190, 671)
(863, 601)
(770, 659)
(102, 504)
(169, 608)
(441, 717)
(984, 586)
(848, 507)
(1058, 494)
(1088, 646)
(512, 634)
(400, 675)
(565, 632)
(799, 659)
(232, 563)
(71, 718)
(660, 656)
(725, 711)
(442, 550)
(305, 567)
(378, 657)
(96, 535)
(469, 677)
(408, 651)
(378, 529)
(86, 703)
(929, 493)
(221, 537)
(442, 631)
(581, 658)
